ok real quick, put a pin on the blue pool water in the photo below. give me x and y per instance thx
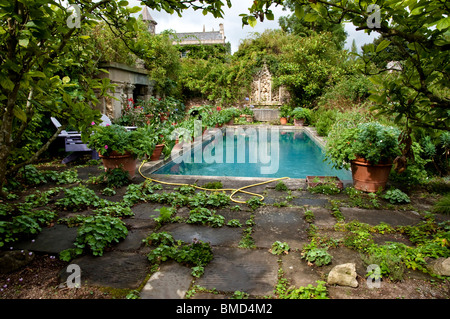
(243, 154)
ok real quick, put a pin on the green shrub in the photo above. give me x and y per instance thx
(213, 185)
(116, 177)
(324, 120)
(318, 256)
(254, 202)
(196, 254)
(396, 196)
(279, 248)
(165, 214)
(325, 188)
(115, 210)
(443, 205)
(308, 292)
(391, 265)
(78, 198)
(204, 216)
(234, 223)
(98, 232)
(281, 186)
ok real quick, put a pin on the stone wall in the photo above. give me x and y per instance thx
(131, 83)
(263, 93)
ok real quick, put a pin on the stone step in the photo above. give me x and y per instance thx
(172, 281)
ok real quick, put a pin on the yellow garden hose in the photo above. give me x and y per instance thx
(232, 190)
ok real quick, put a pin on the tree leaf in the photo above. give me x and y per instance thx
(383, 45)
(24, 42)
(442, 24)
(270, 16)
(311, 17)
(252, 21)
(299, 11)
(20, 114)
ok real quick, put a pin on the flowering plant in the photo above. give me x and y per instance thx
(372, 141)
(106, 139)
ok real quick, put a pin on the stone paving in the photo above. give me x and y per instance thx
(251, 270)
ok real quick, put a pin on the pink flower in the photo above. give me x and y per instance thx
(108, 124)
(106, 147)
(93, 123)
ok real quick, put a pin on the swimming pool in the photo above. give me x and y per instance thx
(254, 152)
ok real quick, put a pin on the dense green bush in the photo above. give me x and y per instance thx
(98, 232)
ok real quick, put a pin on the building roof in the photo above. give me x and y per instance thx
(198, 36)
(210, 37)
(146, 16)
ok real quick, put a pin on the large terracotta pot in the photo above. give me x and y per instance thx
(157, 152)
(300, 122)
(369, 177)
(123, 161)
(283, 120)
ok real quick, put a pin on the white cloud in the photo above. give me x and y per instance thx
(193, 21)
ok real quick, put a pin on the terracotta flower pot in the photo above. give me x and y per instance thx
(123, 161)
(157, 152)
(283, 120)
(369, 177)
(299, 122)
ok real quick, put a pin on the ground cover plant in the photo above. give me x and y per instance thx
(196, 254)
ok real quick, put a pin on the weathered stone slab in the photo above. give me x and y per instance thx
(223, 236)
(297, 271)
(301, 201)
(284, 224)
(51, 240)
(171, 282)
(114, 269)
(323, 217)
(143, 216)
(252, 271)
(375, 217)
(133, 241)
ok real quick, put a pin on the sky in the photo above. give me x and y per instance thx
(193, 21)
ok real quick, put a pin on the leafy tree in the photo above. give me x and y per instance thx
(46, 65)
(310, 64)
(419, 92)
(297, 24)
(418, 95)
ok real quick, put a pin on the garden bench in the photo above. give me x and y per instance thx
(73, 143)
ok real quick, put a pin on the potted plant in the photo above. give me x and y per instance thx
(369, 149)
(284, 114)
(301, 115)
(161, 134)
(248, 114)
(120, 148)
